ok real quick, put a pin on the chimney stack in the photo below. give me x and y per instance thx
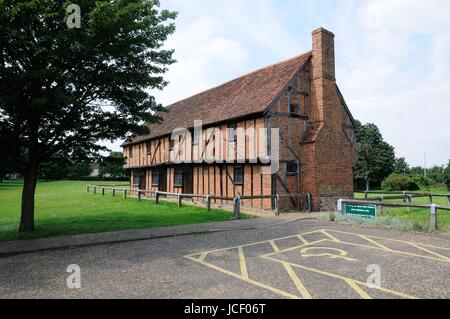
(323, 55)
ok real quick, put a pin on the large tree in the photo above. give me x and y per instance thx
(374, 157)
(64, 88)
(112, 165)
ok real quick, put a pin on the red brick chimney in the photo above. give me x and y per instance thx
(322, 74)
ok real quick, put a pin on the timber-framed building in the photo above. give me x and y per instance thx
(298, 96)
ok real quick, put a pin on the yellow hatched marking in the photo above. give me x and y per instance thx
(242, 264)
(274, 246)
(323, 231)
(390, 239)
(257, 243)
(345, 278)
(256, 283)
(303, 240)
(296, 247)
(375, 243)
(301, 288)
(430, 251)
(202, 256)
(358, 289)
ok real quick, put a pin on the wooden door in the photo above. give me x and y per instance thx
(162, 180)
(188, 181)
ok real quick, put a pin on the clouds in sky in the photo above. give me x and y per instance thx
(392, 58)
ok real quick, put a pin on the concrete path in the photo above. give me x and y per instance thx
(306, 258)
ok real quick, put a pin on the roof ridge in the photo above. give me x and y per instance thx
(242, 76)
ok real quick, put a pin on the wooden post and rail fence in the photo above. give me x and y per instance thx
(157, 195)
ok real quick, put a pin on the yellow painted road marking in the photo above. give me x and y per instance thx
(301, 288)
(302, 239)
(242, 264)
(202, 256)
(274, 246)
(341, 253)
(344, 278)
(358, 289)
(389, 239)
(375, 243)
(323, 231)
(430, 251)
(354, 284)
(256, 283)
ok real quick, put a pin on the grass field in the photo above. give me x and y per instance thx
(64, 208)
(420, 217)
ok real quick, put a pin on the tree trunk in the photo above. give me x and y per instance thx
(367, 184)
(28, 192)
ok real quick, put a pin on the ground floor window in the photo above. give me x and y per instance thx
(178, 178)
(292, 168)
(238, 175)
(136, 180)
(155, 178)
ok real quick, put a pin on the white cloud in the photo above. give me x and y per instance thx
(412, 16)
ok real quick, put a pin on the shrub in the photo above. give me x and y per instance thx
(422, 181)
(399, 182)
(332, 216)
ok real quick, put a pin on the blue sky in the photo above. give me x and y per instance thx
(392, 58)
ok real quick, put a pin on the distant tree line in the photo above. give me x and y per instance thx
(377, 166)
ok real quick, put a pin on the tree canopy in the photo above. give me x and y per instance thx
(375, 158)
(63, 89)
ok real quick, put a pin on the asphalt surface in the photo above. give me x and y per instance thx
(327, 260)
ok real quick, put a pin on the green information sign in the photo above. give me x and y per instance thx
(361, 210)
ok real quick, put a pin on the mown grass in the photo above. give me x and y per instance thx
(64, 208)
(419, 217)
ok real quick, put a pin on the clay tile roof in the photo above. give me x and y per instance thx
(249, 94)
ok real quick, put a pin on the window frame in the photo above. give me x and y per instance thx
(236, 169)
(148, 145)
(156, 173)
(171, 144)
(130, 151)
(232, 125)
(292, 173)
(177, 173)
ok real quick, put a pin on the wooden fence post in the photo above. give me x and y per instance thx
(87, 189)
(448, 197)
(157, 197)
(103, 191)
(409, 200)
(124, 194)
(433, 213)
(139, 194)
(114, 192)
(431, 198)
(95, 189)
(237, 207)
(208, 202)
(180, 200)
(277, 204)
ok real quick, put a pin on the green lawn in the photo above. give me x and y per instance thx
(64, 208)
(418, 215)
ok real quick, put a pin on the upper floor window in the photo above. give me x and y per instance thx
(149, 147)
(232, 132)
(130, 151)
(195, 138)
(238, 175)
(171, 143)
(294, 109)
